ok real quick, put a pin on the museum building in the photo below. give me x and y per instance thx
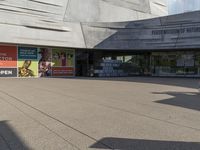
(64, 38)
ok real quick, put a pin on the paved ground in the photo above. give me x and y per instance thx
(80, 114)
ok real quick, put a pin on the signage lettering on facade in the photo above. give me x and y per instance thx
(176, 31)
(8, 56)
(8, 72)
(27, 53)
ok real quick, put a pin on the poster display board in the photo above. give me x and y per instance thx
(62, 62)
(45, 61)
(27, 53)
(27, 68)
(23, 61)
(27, 62)
(8, 61)
(63, 57)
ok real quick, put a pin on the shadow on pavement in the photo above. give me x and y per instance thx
(9, 140)
(141, 144)
(181, 99)
(171, 81)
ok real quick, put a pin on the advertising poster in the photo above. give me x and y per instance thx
(62, 58)
(27, 53)
(8, 61)
(27, 68)
(8, 56)
(27, 62)
(70, 58)
(45, 60)
(62, 62)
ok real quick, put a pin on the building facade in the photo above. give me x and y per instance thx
(97, 38)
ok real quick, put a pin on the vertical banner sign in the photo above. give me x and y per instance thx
(44, 64)
(8, 61)
(62, 62)
(27, 62)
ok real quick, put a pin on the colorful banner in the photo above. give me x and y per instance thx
(62, 62)
(70, 58)
(27, 68)
(36, 62)
(45, 60)
(62, 71)
(8, 56)
(27, 62)
(62, 57)
(8, 72)
(27, 53)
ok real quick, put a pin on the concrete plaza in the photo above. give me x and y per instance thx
(84, 114)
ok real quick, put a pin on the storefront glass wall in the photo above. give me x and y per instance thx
(178, 63)
(137, 64)
(175, 64)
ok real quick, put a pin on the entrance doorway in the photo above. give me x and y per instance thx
(84, 61)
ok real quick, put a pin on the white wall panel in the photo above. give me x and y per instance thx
(57, 22)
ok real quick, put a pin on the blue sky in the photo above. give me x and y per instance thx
(180, 6)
